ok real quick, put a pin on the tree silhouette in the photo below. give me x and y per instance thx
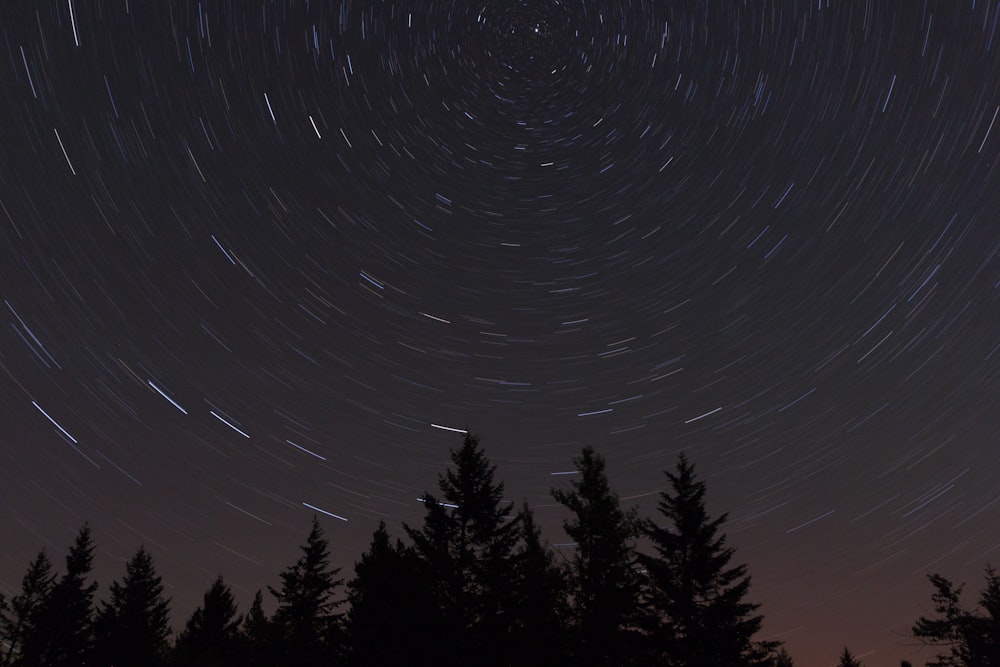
(847, 659)
(389, 606)
(211, 636)
(695, 601)
(465, 545)
(604, 584)
(971, 637)
(132, 627)
(540, 608)
(257, 636)
(444, 585)
(25, 620)
(66, 633)
(477, 587)
(306, 624)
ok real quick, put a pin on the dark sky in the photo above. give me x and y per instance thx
(254, 255)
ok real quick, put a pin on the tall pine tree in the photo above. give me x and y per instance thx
(26, 618)
(211, 636)
(389, 607)
(257, 645)
(306, 623)
(67, 635)
(971, 637)
(541, 609)
(697, 613)
(604, 581)
(132, 626)
(465, 545)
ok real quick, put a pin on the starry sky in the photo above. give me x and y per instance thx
(259, 260)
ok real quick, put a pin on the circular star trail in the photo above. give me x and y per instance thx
(259, 260)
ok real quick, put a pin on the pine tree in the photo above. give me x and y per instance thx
(389, 607)
(604, 583)
(972, 637)
(443, 625)
(696, 606)
(211, 636)
(306, 624)
(986, 645)
(948, 628)
(66, 637)
(257, 636)
(465, 546)
(541, 609)
(132, 627)
(847, 659)
(26, 611)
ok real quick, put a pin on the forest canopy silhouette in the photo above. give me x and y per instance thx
(474, 584)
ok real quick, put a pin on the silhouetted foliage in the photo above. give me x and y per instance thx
(26, 618)
(604, 582)
(388, 606)
(212, 633)
(696, 609)
(465, 545)
(442, 626)
(305, 624)
(66, 635)
(477, 587)
(257, 636)
(540, 607)
(847, 659)
(971, 637)
(132, 627)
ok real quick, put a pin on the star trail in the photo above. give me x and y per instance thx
(266, 260)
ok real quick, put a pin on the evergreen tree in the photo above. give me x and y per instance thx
(211, 636)
(604, 583)
(443, 625)
(256, 636)
(27, 611)
(847, 659)
(696, 606)
(132, 627)
(66, 637)
(949, 628)
(465, 546)
(971, 637)
(986, 627)
(541, 610)
(306, 624)
(389, 607)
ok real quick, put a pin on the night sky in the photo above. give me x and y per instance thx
(258, 259)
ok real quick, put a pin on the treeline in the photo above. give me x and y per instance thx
(474, 585)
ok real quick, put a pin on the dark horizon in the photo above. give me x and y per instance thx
(182, 601)
(381, 600)
(255, 261)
